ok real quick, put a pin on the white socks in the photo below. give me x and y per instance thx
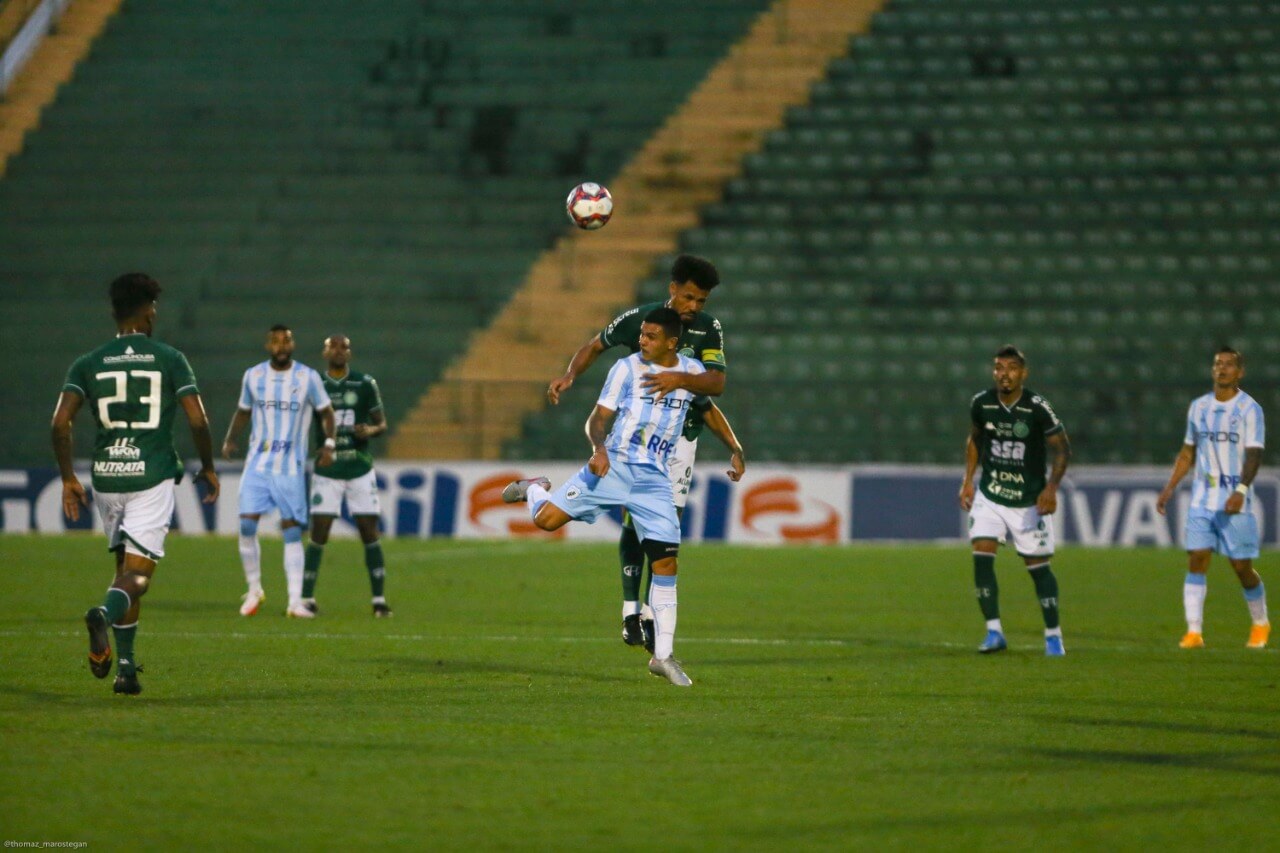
(630, 608)
(1256, 598)
(251, 558)
(1194, 590)
(294, 561)
(662, 598)
(536, 496)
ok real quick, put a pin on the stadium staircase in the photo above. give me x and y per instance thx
(1093, 181)
(575, 287)
(392, 176)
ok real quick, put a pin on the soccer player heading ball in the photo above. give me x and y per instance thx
(1012, 428)
(1225, 436)
(628, 468)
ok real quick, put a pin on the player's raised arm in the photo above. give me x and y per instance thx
(582, 359)
(719, 424)
(193, 406)
(73, 494)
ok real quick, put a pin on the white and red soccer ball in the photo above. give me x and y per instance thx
(589, 206)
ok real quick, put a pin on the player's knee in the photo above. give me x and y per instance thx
(248, 526)
(662, 556)
(292, 533)
(135, 584)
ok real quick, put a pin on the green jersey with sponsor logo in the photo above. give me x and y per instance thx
(1011, 448)
(355, 397)
(702, 339)
(132, 385)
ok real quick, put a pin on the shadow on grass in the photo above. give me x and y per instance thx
(1225, 762)
(569, 669)
(980, 817)
(1163, 726)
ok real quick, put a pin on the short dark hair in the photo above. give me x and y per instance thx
(279, 327)
(1010, 351)
(668, 319)
(1230, 350)
(691, 268)
(132, 292)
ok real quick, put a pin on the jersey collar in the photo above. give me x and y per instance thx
(1013, 405)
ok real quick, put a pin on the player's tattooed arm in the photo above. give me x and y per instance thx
(1183, 463)
(582, 359)
(597, 430)
(970, 467)
(1060, 446)
(1248, 470)
(73, 494)
(377, 426)
(707, 384)
(237, 425)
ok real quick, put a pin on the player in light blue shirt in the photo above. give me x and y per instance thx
(279, 396)
(1226, 432)
(628, 468)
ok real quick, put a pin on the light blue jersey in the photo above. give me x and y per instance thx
(645, 429)
(1221, 431)
(282, 403)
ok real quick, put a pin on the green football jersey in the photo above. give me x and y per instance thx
(1012, 447)
(132, 385)
(355, 397)
(702, 339)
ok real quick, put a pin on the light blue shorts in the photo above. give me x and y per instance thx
(642, 490)
(261, 493)
(1233, 536)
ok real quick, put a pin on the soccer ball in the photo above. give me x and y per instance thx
(589, 206)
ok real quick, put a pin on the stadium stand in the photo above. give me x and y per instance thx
(1093, 181)
(390, 175)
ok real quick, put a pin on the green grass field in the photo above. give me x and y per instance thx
(838, 703)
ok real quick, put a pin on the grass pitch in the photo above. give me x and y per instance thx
(838, 703)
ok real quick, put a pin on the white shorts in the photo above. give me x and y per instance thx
(361, 494)
(680, 470)
(1032, 533)
(137, 520)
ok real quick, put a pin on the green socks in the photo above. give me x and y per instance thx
(984, 585)
(1047, 592)
(377, 571)
(116, 604)
(311, 569)
(124, 647)
(631, 556)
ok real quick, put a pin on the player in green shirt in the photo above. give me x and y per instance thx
(357, 406)
(692, 280)
(133, 385)
(1013, 429)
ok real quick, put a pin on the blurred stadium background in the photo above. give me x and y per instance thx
(890, 190)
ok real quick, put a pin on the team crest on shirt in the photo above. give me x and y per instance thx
(686, 351)
(1021, 430)
(350, 398)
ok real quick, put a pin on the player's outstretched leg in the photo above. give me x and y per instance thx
(1047, 593)
(519, 490)
(988, 594)
(631, 558)
(251, 559)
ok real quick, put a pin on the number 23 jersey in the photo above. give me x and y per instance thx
(132, 386)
